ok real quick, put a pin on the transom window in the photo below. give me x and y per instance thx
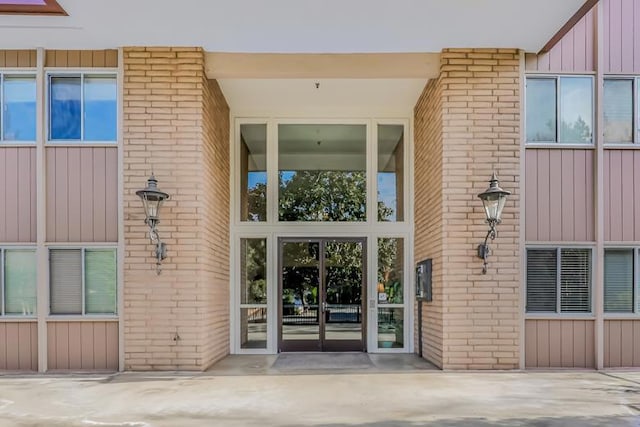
(559, 280)
(18, 113)
(83, 107)
(559, 109)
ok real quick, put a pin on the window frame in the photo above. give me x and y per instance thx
(558, 303)
(635, 111)
(81, 73)
(635, 283)
(3, 294)
(83, 313)
(557, 78)
(29, 72)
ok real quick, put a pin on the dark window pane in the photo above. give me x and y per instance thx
(618, 110)
(390, 172)
(65, 281)
(65, 110)
(19, 108)
(100, 108)
(541, 110)
(576, 109)
(542, 280)
(253, 172)
(618, 280)
(253, 270)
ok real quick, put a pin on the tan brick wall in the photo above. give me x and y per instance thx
(175, 123)
(480, 104)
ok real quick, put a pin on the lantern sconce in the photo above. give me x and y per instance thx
(493, 200)
(152, 199)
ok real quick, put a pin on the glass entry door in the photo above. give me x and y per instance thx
(321, 295)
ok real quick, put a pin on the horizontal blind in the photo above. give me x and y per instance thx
(542, 280)
(575, 280)
(65, 280)
(100, 281)
(618, 280)
(20, 282)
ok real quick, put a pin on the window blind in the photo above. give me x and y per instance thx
(542, 284)
(65, 270)
(575, 280)
(100, 281)
(20, 282)
(618, 280)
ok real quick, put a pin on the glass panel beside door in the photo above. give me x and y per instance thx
(322, 294)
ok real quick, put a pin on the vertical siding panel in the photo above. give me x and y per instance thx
(531, 195)
(33, 182)
(75, 345)
(589, 192)
(626, 39)
(24, 346)
(24, 195)
(555, 58)
(607, 343)
(62, 345)
(73, 58)
(555, 343)
(111, 58)
(579, 344)
(543, 195)
(75, 215)
(614, 343)
(567, 183)
(531, 62)
(24, 57)
(62, 195)
(112, 345)
(100, 345)
(636, 343)
(555, 195)
(579, 45)
(3, 194)
(11, 195)
(61, 58)
(628, 220)
(567, 52)
(86, 345)
(34, 346)
(589, 36)
(86, 58)
(530, 345)
(52, 342)
(51, 194)
(590, 349)
(11, 58)
(86, 201)
(4, 344)
(636, 39)
(626, 343)
(615, 36)
(2, 58)
(544, 62)
(99, 191)
(578, 217)
(111, 194)
(98, 58)
(636, 194)
(13, 346)
(566, 343)
(607, 194)
(615, 186)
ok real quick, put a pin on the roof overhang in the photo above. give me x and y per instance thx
(293, 26)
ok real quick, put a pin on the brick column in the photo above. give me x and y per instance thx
(469, 121)
(176, 123)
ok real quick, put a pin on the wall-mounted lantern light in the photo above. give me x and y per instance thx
(152, 199)
(493, 199)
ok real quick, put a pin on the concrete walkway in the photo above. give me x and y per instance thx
(371, 397)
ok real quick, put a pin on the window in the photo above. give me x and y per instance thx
(620, 111)
(390, 172)
(559, 109)
(253, 293)
(82, 107)
(18, 282)
(558, 280)
(390, 292)
(619, 282)
(82, 281)
(18, 113)
(253, 172)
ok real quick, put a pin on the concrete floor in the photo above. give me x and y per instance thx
(392, 391)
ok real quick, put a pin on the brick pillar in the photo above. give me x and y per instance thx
(176, 123)
(475, 108)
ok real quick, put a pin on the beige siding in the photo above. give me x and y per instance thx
(18, 346)
(176, 123)
(81, 58)
(559, 198)
(83, 345)
(82, 194)
(621, 343)
(621, 195)
(18, 58)
(428, 212)
(559, 343)
(18, 194)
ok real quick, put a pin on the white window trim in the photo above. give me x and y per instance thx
(82, 73)
(557, 144)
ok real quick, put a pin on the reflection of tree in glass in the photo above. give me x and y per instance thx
(255, 253)
(257, 196)
(578, 131)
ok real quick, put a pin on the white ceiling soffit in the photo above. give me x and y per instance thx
(333, 97)
(293, 26)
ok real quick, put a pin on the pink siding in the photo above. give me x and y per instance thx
(621, 195)
(621, 343)
(559, 344)
(559, 199)
(18, 346)
(621, 36)
(89, 346)
(18, 194)
(82, 194)
(574, 53)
